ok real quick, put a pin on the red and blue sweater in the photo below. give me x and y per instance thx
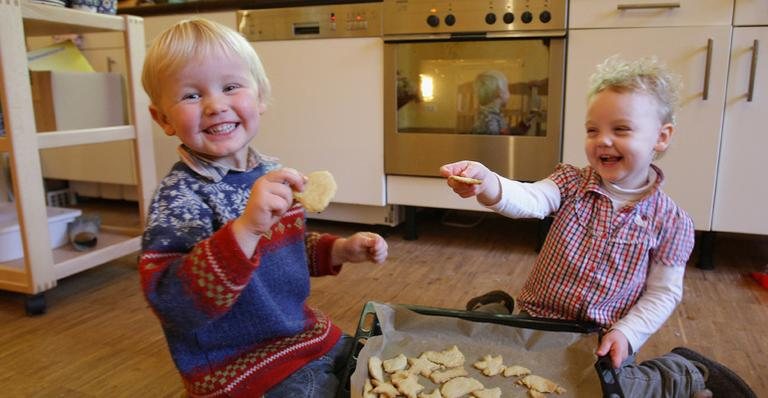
(235, 326)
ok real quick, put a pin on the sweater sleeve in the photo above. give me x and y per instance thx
(319, 254)
(527, 200)
(664, 291)
(190, 274)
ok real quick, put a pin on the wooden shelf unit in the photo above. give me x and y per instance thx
(39, 270)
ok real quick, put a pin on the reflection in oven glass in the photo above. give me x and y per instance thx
(497, 88)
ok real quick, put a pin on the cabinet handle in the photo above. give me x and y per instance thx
(646, 6)
(752, 72)
(707, 69)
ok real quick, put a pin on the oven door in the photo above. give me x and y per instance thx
(495, 100)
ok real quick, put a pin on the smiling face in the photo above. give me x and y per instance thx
(624, 131)
(213, 106)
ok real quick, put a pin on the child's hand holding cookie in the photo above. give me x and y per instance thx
(271, 196)
(468, 178)
(362, 246)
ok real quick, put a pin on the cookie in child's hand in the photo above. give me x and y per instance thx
(318, 191)
(466, 180)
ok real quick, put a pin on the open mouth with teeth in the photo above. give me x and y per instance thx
(607, 159)
(221, 129)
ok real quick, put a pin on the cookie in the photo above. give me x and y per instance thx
(318, 191)
(368, 390)
(422, 366)
(490, 365)
(460, 386)
(408, 386)
(394, 364)
(386, 390)
(466, 180)
(540, 384)
(487, 393)
(434, 394)
(374, 368)
(449, 358)
(439, 377)
(516, 370)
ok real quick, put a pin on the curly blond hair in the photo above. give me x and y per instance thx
(193, 39)
(646, 75)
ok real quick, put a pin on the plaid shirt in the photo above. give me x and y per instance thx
(594, 262)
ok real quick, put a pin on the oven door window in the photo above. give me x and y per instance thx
(490, 87)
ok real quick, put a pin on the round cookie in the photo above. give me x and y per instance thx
(318, 191)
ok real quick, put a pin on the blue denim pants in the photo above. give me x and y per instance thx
(320, 378)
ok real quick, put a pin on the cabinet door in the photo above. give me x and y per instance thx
(741, 189)
(326, 112)
(690, 164)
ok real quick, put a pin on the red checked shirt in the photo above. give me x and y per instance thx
(595, 260)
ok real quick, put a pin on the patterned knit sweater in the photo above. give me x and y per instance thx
(235, 326)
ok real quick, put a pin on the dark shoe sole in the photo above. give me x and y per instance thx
(722, 381)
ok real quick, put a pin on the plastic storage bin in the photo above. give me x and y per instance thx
(10, 238)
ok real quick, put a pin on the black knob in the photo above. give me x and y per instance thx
(433, 21)
(509, 18)
(545, 16)
(450, 19)
(527, 17)
(490, 18)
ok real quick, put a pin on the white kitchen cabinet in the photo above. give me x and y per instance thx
(741, 189)
(40, 269)
(690, 164)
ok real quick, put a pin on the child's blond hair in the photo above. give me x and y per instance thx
(195, 39)
(645, 75)
(488, 85)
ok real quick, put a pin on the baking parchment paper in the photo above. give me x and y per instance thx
(566, 358)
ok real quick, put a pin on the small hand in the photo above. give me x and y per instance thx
(616, 344)
(362, 246)
(271, 196)
(488, 193)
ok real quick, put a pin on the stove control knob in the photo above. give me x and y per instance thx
(490, 18)
(509, 18)
(450, 19)
(545, 16)
(527, 17)
(433, 21)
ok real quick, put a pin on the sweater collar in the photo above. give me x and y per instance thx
(214, 171)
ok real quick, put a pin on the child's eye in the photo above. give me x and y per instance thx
(622, 129)
(230, 87)
(190, 97)
(591, 131)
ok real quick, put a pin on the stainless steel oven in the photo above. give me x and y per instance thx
(467, 79)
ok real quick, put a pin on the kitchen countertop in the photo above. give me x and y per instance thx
(222, 5)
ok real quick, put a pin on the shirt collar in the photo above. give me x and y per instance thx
(595, 183)
(215, 171)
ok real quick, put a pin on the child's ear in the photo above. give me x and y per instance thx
(261, 107)
(161, 120)
(665, 136)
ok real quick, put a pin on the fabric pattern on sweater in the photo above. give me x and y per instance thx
(594, 262)
(235, 325)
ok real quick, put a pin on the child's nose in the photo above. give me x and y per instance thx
(604, 138)
(214, 105)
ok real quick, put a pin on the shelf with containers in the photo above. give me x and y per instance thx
(41, 267)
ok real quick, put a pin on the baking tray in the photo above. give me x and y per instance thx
(369, 326)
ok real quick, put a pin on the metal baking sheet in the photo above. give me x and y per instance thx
(566, 358)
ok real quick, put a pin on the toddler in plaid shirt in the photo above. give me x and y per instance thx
(618, 245)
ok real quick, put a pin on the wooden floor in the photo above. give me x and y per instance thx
(99, 339)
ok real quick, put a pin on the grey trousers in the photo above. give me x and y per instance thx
(668, 376)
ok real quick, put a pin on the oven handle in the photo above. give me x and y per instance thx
(475, 36)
